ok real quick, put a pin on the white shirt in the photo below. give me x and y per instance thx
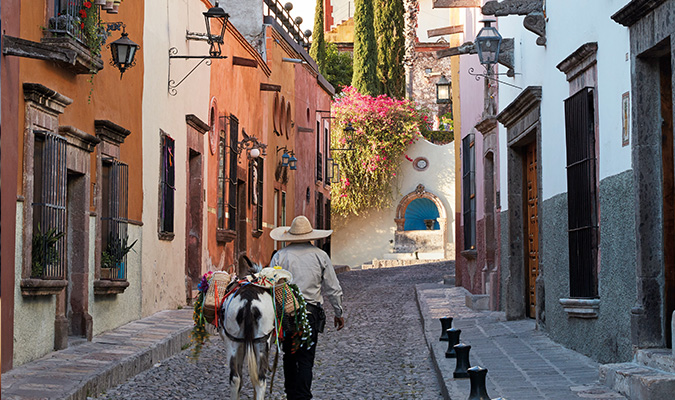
(313, 273)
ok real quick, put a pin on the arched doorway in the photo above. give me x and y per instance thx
(421, 223)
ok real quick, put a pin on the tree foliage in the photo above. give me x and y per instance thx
(384, 129)
(389, 34)
(339, 68)
(318, 49)
(364, 79)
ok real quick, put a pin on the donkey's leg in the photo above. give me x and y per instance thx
(236, 365)
(262, 357)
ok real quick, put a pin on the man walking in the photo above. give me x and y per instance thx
(313, 272)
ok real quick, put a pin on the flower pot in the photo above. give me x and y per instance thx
(114, 10)
(108, 5)
(99, 2)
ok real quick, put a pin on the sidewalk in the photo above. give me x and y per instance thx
(108, 360)
(522, 363)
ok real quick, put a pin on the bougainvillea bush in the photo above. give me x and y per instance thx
(384, 129)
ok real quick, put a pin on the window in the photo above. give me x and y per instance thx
(49, 207)
(68, 20)
(115, 198)
(232, 187)
(167, 187)
(256, 194)
(283, 216)
(319, 217)
(319, 161)
(222, 154)
(326, 143)
(582, 193)
(469, 191)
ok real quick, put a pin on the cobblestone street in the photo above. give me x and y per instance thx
(380, 354)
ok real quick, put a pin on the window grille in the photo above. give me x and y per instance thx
(319, 216)
(582, 194)
(469, 191)
(326, 143)
(319, 167)
(319, 164)
(232, 187)
(257, 186)
(49, 207)
(222, 154)
(114, 221)
(167, 184)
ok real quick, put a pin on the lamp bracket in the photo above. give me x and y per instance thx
(250, 143)
(490, 77)
(113, 26)
(173, 53)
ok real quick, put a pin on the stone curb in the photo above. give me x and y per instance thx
(437, 369)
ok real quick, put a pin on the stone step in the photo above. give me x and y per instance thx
(638, 382)
(428, 256)
(657, 358)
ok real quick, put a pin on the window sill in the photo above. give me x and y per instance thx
(42, 287)
(225, 235)
(106, 287)
(84, 62)
(581, 308)
(469, 254)
(168, 236)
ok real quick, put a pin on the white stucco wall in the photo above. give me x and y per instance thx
(566, 30)
(34, 315)
(360, 239)
(163, 261)
(110, 312)
(431, 18)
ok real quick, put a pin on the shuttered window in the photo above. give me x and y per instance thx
(469, 191)
(256, 193)
(222, 156)
(167, 184)
(232, 186)
(582, 194)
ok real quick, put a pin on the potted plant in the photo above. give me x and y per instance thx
(44, 251)
(114, 256)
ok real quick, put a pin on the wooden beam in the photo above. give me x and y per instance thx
(303, 129)
(269, 87)
(13, 46)
(244, 62)
(448, 30)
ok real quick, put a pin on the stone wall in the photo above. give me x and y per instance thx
(424, 82)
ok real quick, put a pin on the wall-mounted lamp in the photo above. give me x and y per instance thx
(214, 36)
(122, 50)
(488, 42)
(254, 147)
(443, 95)
(348, 132)
(288, 158)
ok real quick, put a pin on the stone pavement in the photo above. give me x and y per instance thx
(109, 359)
(522, 363)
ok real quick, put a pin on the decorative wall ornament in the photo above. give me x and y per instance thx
(535, 16)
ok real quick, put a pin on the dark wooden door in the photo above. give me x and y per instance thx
(193, 226)
(532, 226)
(668, 194)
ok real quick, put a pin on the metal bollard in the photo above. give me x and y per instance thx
(453, 339)
(478, 389)
(446, 323)
(461, 370)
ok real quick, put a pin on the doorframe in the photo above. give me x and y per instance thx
(522, 121)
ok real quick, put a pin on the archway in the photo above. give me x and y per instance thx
(412, 233)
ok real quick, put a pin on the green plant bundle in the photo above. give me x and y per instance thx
(44, 251)
(115, 251)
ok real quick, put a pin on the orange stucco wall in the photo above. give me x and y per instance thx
(112, 98)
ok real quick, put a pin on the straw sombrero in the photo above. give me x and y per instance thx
(299, 231)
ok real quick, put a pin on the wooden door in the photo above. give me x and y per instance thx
(532, 226)
(668, 160)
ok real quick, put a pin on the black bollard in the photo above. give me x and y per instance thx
(461, 370)
(453, 339)
(446, 323)
(478, 389)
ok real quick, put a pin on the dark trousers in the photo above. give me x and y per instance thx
(298, 366)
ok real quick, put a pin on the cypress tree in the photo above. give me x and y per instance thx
(318, 49)
(365, 49)
(390, 47)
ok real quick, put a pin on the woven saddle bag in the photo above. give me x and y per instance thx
(219, 281)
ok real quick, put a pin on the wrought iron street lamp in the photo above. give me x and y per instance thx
(123, 52)
(214, 33)
(443, 94)
(488, 42)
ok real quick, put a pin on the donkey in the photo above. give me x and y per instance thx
(246, 325)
